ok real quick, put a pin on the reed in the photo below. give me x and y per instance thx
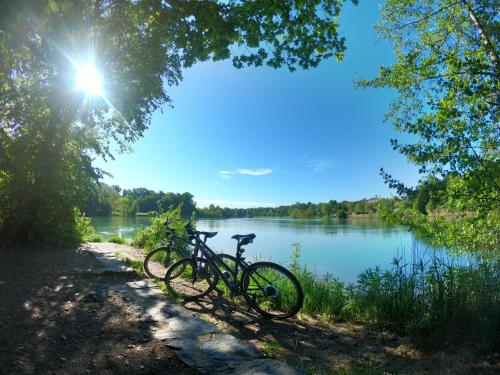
(429, 297)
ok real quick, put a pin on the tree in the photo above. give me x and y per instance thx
(50, 133)
(446, 76)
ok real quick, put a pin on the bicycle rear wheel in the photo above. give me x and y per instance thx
(158, 261)
(272, 290)
(190, 279)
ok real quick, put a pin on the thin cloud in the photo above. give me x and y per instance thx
(254, 172)
(319, 164)
(249, 172)
(225, 174)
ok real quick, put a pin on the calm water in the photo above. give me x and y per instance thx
(342, 248)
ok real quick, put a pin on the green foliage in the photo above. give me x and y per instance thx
(151, 237)
(83, 226)
(136, 265)
(430, 299)
(116, 239)
(50, 133)
(94, 238)
(433, 300)
(446, 76)
(437, 215)
(106, 200)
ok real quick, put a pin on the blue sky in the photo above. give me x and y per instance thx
(260, 136)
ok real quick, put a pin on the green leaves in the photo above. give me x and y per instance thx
(50, 132)
(448, 82)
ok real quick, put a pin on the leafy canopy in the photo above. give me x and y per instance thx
(446, 76)
(50, 132)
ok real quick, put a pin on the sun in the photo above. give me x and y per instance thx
(88, 79)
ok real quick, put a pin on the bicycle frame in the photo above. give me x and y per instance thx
(215, 262)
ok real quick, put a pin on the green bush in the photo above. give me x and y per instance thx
(150, 237)
(94, 238)
(83, 227)
(116, 239)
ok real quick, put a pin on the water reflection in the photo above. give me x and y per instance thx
(343, 248)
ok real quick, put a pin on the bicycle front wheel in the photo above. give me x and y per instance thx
(159, 260)
(190, 279)
(272, 290)
(230, 261)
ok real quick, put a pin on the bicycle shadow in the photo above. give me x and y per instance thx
(309, 344)
(299, 341)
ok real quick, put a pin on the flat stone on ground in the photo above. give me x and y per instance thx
(197, 343)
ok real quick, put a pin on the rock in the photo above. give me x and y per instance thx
(141, 284)
(184, 327)
(227, 348)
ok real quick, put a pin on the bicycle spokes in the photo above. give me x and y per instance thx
(272, 290)
(193, 278)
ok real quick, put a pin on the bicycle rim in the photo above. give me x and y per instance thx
(158, 261)
(272, 290)
(189, 279)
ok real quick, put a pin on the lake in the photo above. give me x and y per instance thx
(343, 248)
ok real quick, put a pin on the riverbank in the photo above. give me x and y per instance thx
(53, 321)
(326, 346)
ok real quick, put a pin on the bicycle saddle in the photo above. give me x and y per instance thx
(244, 239)
(208, 234)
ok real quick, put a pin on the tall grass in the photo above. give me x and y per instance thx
(430, 298)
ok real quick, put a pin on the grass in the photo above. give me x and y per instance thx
(270, 348)
(116, 239)
(430, 299)
(94, 238)
(136, 265)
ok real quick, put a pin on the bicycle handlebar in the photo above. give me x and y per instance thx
(187, 227)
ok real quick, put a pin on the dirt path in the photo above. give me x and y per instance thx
(321, 348)
(54, 320)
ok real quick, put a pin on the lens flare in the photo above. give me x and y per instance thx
(88, 79)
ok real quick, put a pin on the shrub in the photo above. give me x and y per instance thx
(83, 227)
(94, 238)
(150, 237)
(116, 239)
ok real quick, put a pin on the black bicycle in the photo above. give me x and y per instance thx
(267, 287)
(159, 260)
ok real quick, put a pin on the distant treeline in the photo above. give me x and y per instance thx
(297, 210)
(112, 200)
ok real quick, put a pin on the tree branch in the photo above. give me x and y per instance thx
(484, 36)
(426, 17)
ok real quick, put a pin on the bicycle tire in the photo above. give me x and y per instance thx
(183, 283)
(281, 299)
(160, 268)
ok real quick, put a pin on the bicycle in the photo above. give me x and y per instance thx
(159, 260)
(267, 287)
